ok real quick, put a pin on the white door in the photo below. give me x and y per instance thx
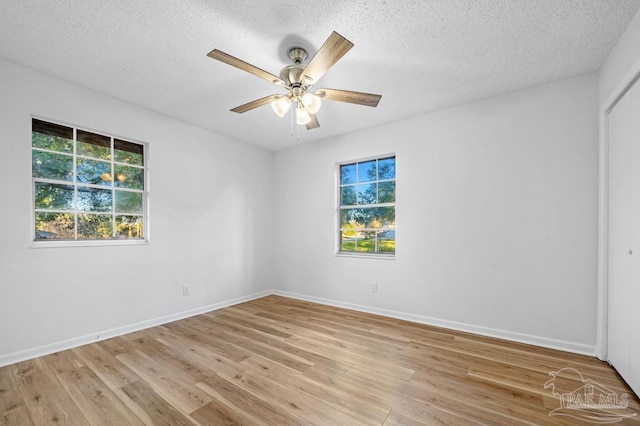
(624, 238)
(633, 285)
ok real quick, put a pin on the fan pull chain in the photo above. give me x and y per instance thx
(296, 124)
(293, 123)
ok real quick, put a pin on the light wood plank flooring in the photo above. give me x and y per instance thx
(287, 362)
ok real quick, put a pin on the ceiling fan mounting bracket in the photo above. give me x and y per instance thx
(297, 54)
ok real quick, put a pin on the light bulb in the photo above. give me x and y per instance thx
(281, 105)
(307, 99)
(302, 116)
(311, 102)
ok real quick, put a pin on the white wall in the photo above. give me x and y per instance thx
(623, 59)
(211, 216)
(496, 217)
(496, 221)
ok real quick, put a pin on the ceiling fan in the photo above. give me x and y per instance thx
(298, 79)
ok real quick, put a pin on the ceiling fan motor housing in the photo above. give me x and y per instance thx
(292, 74)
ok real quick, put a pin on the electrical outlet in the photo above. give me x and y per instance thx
(374, 288)
(186, 290)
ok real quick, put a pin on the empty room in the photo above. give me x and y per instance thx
(293, 212)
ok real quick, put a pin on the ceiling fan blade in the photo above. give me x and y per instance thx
(245, 66)
(314, 123)
(331, 51)
(255, 104)
(367, 99)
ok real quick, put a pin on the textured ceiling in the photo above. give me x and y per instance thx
(419, 55)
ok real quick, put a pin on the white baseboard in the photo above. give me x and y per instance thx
(15, 357)
(573, 347)
(545, 342)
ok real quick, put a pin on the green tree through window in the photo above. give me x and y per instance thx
(86, 186)
(367, 206)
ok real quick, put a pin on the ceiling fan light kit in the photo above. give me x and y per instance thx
(311, 102)
(302, 115)
(298, 80)
(281, 105)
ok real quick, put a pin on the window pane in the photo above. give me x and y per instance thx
(54, 226)
(93, 171)
(53, 143)
(348, 195)
(128, 202)
(361, 218)
(385, 216)
(129, 177)
(365, 242)
(128, 152)
(387, 241)
(387, 192)
(367, 193)
(347, 240)
(387, 168)
(347, 174)
(94, 226)
(52, 196)
(346, 218)
(48, 165)
(94, 200)
(93, 145)
(129, 227)
(367, 171)
(51, 136)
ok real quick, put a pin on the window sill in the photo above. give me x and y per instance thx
(88, 243)
(367, 255)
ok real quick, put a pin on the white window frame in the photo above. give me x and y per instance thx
(50, 243)
(339, 208)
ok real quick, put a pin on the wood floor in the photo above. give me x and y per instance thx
(286, 362)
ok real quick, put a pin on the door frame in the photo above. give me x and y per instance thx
(603, 208)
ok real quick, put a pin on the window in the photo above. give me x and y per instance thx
(86, 186)
(368, 206)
